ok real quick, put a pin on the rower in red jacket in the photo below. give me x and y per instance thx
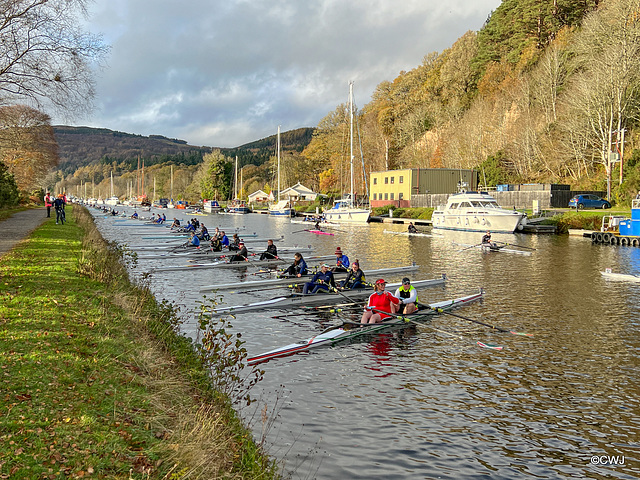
(379, 302)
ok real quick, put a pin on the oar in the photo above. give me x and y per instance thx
(519, 246)
(275, 287)
(472, 246)
(298, 231)
(500, 329)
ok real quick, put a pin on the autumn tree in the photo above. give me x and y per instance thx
(45, 57)
(27, 145)
(8, 189)
(213, 176)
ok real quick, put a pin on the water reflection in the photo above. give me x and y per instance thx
(422, 403)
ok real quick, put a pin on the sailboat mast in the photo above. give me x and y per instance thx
(278, 162)
(351, 136)
(171, 183)
(235, 190)
(111, 183)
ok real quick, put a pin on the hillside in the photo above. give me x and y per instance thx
(83, 146)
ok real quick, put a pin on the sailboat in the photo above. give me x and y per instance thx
(171, 204)
(282, 207)
(345, 210)
(237, 207)
(112, 200)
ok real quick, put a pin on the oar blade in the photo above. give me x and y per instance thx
(489, 346)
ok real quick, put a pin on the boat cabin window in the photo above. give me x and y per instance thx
(476, 204)
(465, 205)
(454, 206)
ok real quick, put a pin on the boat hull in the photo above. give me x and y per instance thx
(347, 215)
(335, 335)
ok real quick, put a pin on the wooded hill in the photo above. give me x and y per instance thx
(83, 146)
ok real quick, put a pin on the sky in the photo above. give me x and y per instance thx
(223, 73)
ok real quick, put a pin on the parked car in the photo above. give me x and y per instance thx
(588, 201)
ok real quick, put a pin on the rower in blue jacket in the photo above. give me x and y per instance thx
(320, 281)
(342, 261)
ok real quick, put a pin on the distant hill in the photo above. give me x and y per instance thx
(81, 146)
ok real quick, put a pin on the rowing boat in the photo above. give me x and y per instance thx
(285, 281)
(492, 248)
(275, 262)
(414, 234)
(625, 277)
(337, 334)
(181, 251)
(299, 300)
(320, 232)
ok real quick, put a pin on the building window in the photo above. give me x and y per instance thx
(375, 180)
(400, 195)
(374, 196)
(391, 196)
(386, 196)
(386, 180)
(401, 179)
(392, 179)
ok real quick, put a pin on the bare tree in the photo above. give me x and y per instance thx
(45, 58)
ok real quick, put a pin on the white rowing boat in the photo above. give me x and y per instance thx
(202, 253)
(491, 248)
(299, 300)
(239, 286)
(337, 334)
(416, 234)
(624, 277)
(273, 263)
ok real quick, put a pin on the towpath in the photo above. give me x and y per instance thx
(18, 227)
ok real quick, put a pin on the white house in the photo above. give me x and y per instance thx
(258, 196)
(298, 192)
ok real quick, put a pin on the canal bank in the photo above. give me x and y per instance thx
(96, 381)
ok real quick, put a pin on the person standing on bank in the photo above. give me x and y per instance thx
(48, 202)
(408, 296)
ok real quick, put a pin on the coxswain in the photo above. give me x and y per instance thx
(342, 261)
(242, 255)
(321, 281)
(355, 277)
(412, 228)
(408, 296)
(297, 269)
(379, 304)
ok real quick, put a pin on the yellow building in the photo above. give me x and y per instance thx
(396, 186)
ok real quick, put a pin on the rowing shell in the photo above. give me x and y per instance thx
(416, 234)
(609, 275)
(491, 248)
(320, 232)
(300, 300)
(338, 334)
(273, 263)
(304, 278)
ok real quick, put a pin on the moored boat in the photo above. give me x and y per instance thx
(476, 212)
(624, 277)
(337, 334)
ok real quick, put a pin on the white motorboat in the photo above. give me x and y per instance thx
(476, 212)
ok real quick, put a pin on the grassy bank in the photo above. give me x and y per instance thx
(96, 384)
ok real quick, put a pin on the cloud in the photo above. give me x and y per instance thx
(224, 73)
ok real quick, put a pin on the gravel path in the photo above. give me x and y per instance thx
(18, 227)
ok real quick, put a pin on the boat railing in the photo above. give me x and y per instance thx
(635, 203)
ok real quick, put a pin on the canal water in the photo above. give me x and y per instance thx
(423, 403)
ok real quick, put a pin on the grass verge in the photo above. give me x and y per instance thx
(96, 383)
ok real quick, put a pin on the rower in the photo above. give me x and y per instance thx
(204, 233)
(486, 241)
(408, 296)
(379, 304)
(235, 241)
(412, 228)
(297, 269)
(193, 241)
(224, 240)
(242, 255)
(176, 223)
(355, 277)
(342, 261)
(320, 281)
(134, 215)
(271, 252)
